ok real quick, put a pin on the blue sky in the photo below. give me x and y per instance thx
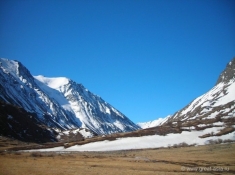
(147, 58)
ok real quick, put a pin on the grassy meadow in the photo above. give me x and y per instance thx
(208, 159)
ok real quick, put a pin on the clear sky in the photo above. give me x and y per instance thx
(147, 58)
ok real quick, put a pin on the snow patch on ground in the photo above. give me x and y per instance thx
(84, 132)
(154, 141)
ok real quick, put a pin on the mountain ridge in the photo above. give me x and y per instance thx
(59, 103)
(218, 102)
(153, 123)
(220, 95)
(228, 73)
(208, 119)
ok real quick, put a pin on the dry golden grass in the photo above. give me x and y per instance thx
(173, 161)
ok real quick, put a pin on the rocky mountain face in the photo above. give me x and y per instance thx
(228, 74)
(17, 123)
(91, 110)
(216, 108)
(18, 87)
(59, 103)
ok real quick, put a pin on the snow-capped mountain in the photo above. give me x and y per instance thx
(92, 111)
(59, 103)
(18, 87)
(153, 123)
(217, 105)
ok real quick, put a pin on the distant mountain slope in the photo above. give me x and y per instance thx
(59, 103)
(153, 123)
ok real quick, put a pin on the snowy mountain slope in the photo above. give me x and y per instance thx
(17, 123)
(18, 87)
(59, 102)
(214, 108)
(93, 112)
(217, 105)
(153, 123)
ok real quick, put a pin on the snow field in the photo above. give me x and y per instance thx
(144, 142)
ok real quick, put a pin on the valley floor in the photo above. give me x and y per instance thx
(208, 159)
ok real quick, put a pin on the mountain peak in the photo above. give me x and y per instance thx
(154, 123)
(228, 73)
(9, 65)
(53, 82)
(59, 102)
